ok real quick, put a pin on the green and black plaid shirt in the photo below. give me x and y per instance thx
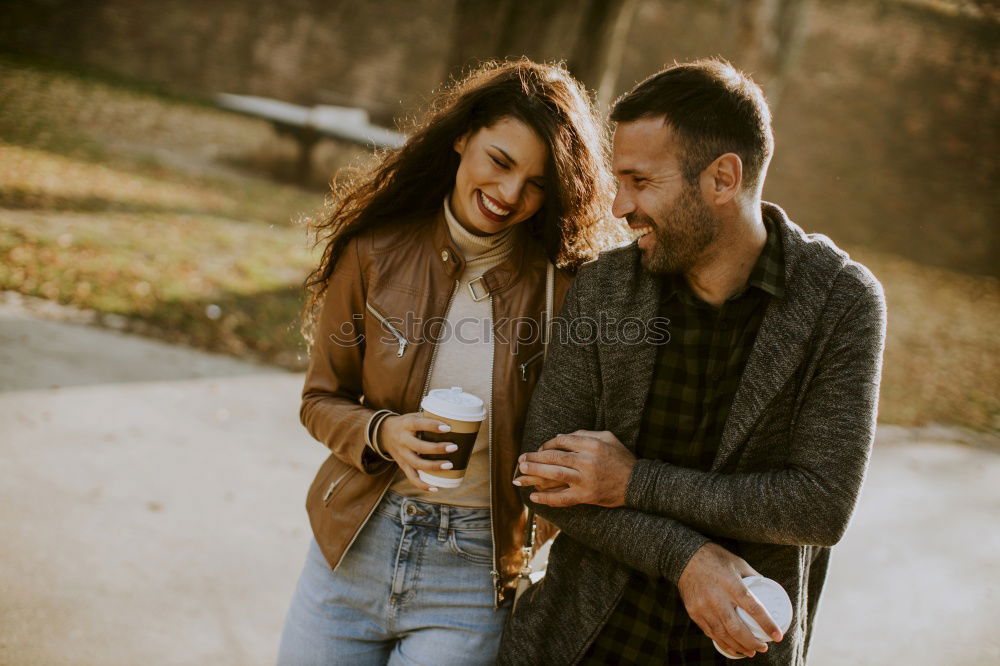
(693, 386)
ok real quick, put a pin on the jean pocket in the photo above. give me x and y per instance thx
(473, 545)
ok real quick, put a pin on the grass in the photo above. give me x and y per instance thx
(942, 357)
(194, 279)
(146, 206)
(126, 202)
(38, 179)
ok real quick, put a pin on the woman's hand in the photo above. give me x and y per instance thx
(397, 436)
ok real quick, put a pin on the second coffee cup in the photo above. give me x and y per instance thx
(774, 599)
(464, 412)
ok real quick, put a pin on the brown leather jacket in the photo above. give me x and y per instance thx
(373, 350)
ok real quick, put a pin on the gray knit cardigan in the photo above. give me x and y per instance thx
(785, 480)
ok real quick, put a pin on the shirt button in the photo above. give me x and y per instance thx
(445, 255)
(410, 510)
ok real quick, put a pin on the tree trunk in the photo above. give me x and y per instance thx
(600, 46)
(769, 38)
(589, 34)
(476, 32)
(542, 30)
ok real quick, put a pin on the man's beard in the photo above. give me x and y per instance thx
(682, 234)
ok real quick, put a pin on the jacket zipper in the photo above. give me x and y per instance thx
(524, 366)
(434, 353)
(400, 340)
(336, 482)
(495, 571)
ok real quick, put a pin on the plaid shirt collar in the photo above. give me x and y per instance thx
(768, 274)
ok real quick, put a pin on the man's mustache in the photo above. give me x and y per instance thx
(639, 218)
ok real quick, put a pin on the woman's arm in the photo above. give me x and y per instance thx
(331, 407)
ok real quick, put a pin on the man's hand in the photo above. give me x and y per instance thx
(585, 467)
(711, 587)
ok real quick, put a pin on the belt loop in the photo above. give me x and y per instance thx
(443, 527)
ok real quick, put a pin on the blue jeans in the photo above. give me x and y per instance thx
(415, 588)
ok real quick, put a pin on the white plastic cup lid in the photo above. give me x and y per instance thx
(771, 596)
(454, 403)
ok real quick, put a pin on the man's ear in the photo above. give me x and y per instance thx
(723, 179)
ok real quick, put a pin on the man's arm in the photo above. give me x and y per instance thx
(566, 398)
(811, 499)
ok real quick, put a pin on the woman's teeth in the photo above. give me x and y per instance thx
(493, 208)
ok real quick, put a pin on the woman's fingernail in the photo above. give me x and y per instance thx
(523, 466)
(516, 482)
(521, 458)
(444, 427)
(446, 465)
(451, 448)
(433, 489)
(534, 497)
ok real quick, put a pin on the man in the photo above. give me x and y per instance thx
(737, 447)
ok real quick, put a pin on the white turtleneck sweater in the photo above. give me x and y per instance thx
(464, 358)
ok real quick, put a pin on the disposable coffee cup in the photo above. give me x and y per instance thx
(464, 412)
(774, 599)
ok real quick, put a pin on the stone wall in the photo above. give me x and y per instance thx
(385, 56)
(887, 122)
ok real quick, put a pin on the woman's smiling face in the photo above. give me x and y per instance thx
(501, 177)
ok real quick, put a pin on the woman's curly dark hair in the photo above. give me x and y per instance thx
(409, 183)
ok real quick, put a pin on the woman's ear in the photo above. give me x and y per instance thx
(460, 143)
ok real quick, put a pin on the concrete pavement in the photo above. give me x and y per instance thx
(915, 579)
(151, 513)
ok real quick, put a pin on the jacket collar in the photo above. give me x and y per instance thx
(811, 266)
(767, 273)
(499, 278)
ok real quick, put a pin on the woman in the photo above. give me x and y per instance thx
(435, 275)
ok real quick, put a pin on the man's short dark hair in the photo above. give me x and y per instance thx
(714, 108)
